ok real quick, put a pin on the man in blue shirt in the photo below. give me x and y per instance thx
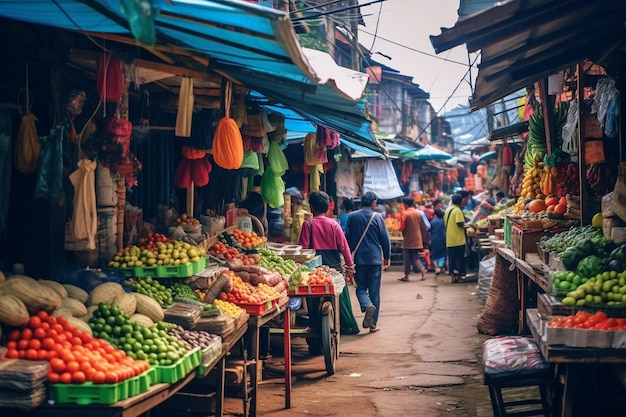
(368, 238)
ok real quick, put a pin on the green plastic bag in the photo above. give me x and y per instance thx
(250, 165)
(277, 160)
(272, 189)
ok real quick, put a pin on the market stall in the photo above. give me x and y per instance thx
(563, 232)
(174, 325)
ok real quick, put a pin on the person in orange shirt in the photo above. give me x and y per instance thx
(416, 238)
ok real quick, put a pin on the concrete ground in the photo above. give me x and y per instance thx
(425, 360)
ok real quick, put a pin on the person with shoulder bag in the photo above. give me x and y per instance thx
(327, 238)
(368, 238)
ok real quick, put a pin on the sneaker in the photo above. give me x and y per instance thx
(368, 320)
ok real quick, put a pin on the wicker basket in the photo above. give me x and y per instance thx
(86, 258)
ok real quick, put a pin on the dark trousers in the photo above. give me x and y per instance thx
(456, 261)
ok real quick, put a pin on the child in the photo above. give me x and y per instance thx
(437, 242)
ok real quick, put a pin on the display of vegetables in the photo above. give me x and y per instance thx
(191, 339)
(585, 320)
(152, 344)
(152, 288)
(74, 356)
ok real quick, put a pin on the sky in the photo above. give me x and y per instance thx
(403, 29)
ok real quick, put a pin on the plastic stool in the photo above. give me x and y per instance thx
(512, 362)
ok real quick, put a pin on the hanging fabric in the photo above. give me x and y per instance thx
(84, 222)
(185, 108)
(110, 80)
(27, 146)
(50, 174)
(193, 168)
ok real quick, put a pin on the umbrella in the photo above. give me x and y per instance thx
(425, 153)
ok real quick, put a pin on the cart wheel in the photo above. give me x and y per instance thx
(329, 338)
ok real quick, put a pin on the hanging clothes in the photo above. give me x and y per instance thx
(84, 223)
(110, 80)
(50, 174)
(185, 108)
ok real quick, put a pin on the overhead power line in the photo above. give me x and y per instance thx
(342, 9)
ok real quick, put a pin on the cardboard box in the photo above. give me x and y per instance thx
(524, 241)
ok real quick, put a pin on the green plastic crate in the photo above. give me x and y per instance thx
(164, 271)
(174, 373)
(89, 393)
(507, 231)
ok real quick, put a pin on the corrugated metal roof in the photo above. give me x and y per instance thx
(522, 41)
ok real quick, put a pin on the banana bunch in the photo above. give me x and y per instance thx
(531, 187)
(519, 205)
(536, 146)
(548, 182)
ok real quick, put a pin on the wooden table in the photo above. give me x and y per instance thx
(254, 325)
(575, 361)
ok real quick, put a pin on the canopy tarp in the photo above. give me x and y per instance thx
(522, 41)
(250, 44)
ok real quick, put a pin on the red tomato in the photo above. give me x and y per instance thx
(72, 366)
(11, 344)
(110, 377)
(57, 365)
(34, 344)
(11, 354)
(53, 377)
(31, 354)
(78, 377)
(43, 315)
(48, 343)
(27, 334)
(22, 344)
(42, 355)
(39, 333)
(14, 335)
(98, 377)
(34, 322)
(66, 378)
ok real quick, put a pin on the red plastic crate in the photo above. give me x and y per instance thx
(256, 309)
(313, 290)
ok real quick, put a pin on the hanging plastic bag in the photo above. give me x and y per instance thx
(277, 160)
(27, 148)
(250, 165)
(272, 189)
(569, 132)
(140, 15)
(612, 116)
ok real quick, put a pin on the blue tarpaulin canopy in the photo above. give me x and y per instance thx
(252, 45)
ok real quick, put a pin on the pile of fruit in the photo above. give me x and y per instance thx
(74, 356)
(184, 219)
(247, 239)
(246, 293)
(585, 320)
(161, 253)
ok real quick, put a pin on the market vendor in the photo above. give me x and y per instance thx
(326, 236)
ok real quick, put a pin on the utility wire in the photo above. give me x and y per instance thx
(414, 50)
(343, 9)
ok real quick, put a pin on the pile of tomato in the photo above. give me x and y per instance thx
(591, 321)
(74, 356)
(319, 276)
(228, 252)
